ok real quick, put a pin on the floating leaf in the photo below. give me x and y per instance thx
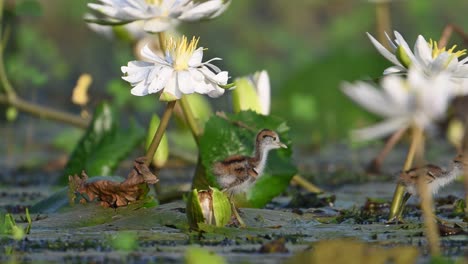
(103, 146)
(196, 255)
(235, 134)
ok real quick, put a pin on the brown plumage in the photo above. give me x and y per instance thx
(237, 173)
(434, 176)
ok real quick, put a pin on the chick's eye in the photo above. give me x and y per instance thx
(274, 138)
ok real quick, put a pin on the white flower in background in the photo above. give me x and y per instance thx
(158, 15)
(417, 100)
(426, 55)
(131, 31)
(252, 93)
(180, 72)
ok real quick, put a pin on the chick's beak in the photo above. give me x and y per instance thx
(282, 145)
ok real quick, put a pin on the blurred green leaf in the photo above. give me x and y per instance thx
(316, 107)
(67, 139)
(223, 138)
(103, 146)
(28, 8)
(196, 255)
(125, 240)
(11, 114)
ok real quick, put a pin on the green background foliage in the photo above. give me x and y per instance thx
(103, 145)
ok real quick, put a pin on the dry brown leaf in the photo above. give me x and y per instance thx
(114, 194)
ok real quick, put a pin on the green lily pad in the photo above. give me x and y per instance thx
(103, 145)
(235, 135)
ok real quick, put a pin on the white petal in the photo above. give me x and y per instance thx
(171, 87)
(440, 63)
(390, 42)
(395, 70)
(147, 53)
(161, 79)
(196, 58)
(159, 24)
(140, 90)
(203, 10)
(263, 91)
(216, 92)
(397, 92)
(382, 129)
(382, 50)
(184, 82)
(422, 51)
(368, 97)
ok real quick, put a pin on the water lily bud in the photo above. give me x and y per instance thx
(162, 154)
(403, 57)
(253, 93)
(208, 206)
(244, 97)
(11, 114)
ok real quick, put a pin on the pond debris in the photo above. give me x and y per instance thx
(275, 246)
(312, 200)
(110, 193)
(446, 230)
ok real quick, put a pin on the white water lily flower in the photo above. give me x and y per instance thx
(180, 72)
(417, 100)
(427, 56)
(158, 15)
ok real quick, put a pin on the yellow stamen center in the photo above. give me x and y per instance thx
(436, 51)
(154, 2)
(181, 51)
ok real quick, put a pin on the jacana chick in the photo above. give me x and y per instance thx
(237, 173)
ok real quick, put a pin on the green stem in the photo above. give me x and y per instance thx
(190, 119)
(397, 201)
(382, 12)
(6, 85)
(299, 180)
(432, 232)
(44, 112)
(159, 132)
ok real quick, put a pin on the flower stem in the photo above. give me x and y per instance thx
(159, 132)
(299, 180)
(397, 201)
(44, 112)
(382, 12)
(189, 117)
(432, 234)
(6, 85)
